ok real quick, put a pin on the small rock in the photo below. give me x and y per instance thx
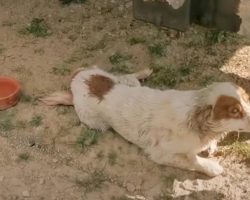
(41, 181)
(1, 178)
(54, 160)
(139, 197)
(26, 193)
(31, 142)
(198, 184)
(121, 8)
(130, 187)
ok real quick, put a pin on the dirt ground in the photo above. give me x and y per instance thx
(45, 153)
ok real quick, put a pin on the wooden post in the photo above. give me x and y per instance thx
(244, 13)
(227, 15)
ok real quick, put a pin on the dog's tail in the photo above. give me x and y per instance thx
(62, 97)
(58, 98)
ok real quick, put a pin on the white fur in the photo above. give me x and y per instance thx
(160, 122)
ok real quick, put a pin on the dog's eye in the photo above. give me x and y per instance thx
(235, 111)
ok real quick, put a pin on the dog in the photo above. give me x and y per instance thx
(171, 126)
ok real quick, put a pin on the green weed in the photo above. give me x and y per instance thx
(112, 158)
(36, 121)
(157, 50)
(136, 40)
(61, 70)
(87, 138)
(37, 28)
(93, 182)
(24, 156)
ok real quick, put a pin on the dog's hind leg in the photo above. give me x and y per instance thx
(58, 98)
(133, 79)
(143, 74)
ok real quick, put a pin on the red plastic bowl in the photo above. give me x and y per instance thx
(10, 90)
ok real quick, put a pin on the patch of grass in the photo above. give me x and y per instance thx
(241, 149)
(168, 76)
(136, 40)
(120, 69)
(117, 58)
(6, 125)
(67, 2)
(185, 70)
(87, 138)
(163, 76)
(112, 158)
(37, 28)
(24, 156)
(26, 98)
(61, 70)
(216, 36)
(36, 121)
(207, 80)
(93, 182)
(156, 50)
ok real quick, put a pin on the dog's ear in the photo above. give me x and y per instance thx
(203, 113)
(199, 117)
(228, 107)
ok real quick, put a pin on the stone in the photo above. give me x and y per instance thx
(130, 187)
(26, 193)
(41, 181)
(1, 178)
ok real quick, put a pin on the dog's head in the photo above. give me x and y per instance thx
(224, 107)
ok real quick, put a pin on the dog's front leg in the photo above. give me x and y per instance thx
(189, 162)
(207, 166)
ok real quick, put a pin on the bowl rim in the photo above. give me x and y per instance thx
(16, 83)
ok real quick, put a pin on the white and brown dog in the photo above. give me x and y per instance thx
(171, 126)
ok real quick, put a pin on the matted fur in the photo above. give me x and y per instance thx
(171, 126)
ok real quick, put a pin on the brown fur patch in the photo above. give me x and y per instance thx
(228, 107)
(99, 85)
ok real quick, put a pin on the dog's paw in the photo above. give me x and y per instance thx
(212, 149)
(213, 168)
(143, 74)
